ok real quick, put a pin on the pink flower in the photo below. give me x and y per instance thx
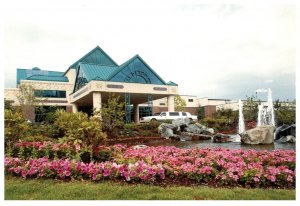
(24, 173)
(256, 179)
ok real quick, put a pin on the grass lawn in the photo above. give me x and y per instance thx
(32, 189)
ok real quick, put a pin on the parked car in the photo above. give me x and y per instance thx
(168, 116)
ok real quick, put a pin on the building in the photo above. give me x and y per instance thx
(87, 83)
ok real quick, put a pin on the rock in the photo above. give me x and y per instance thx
(166, 130)
(285, 130)
(139, 146)
(196, 136)
(200, 125)
(211, 130)
(199, 129)
(181, 123)
(193, 128)
(221, 138)
(263, 134)
(182, 127)
(287, 139)
(185, 138)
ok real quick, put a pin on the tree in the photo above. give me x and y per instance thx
(112, 113)
(250, 109)
(285, 113)
(200, 113)
(16, 127)
(27, 101)
(8, 104)
(180, 103)
(78, 128)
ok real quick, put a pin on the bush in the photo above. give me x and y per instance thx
(16, 127)
(285, 116)
(112, 114)
(78, 128)
(217, 124)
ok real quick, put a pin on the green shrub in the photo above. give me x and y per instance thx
(217, 124)
(103, 155)
(15, 127)
(78, 128)
(112, 114)
(285, 113)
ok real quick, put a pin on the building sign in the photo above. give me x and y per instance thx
(137, 76)
(160, 89)
(115, 86)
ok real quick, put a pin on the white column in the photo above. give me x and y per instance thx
(74, 108)
(171, 103)
(136, 113)
(97, 101)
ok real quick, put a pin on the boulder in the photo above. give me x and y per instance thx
(139, 146)
(185, 138)
(287, 139)
(182, 127)
(166, 130)
(263, 134)
(194, 136)
(193, 128)
(221, 138)
(181, 123)
(285, 130)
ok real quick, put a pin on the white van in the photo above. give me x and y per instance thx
(168, 116)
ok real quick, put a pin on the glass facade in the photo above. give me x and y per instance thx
(50, 93)
(81, 80)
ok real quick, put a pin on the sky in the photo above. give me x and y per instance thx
(217, 50)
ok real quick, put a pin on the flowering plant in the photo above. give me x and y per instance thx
(216, 166)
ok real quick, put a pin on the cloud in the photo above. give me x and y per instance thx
(208, 49)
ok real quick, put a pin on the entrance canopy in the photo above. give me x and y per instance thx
(96, 72)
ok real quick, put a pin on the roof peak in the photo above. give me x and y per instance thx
(97, 48)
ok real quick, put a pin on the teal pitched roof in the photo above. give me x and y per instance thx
(97, 72)
(138, 71)
(40, 75)
(48, 78)
(172, 83)
(95, 56)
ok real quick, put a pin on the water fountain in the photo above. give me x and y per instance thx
(241, 118)
(266, 110)
(241, 128)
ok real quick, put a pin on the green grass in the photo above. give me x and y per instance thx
(32, 189)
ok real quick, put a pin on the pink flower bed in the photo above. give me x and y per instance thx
(210, 166)
(62, 169)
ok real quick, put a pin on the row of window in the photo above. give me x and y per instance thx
(50, 93)
(62, 94)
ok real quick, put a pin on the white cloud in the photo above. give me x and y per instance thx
(269, 81)
(195, 45)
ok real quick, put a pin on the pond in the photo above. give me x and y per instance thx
(230, 145)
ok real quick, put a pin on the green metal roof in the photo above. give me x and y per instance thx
(97, 72)
(49, 78)
(172, 83)
(41, 75)
(95, 56)
(136, 70)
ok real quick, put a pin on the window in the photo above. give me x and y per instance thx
(174, 113)
(163, 114)
(50, 93)
(81, 80)
(191, 100)
(162, 104)
(184, 114)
